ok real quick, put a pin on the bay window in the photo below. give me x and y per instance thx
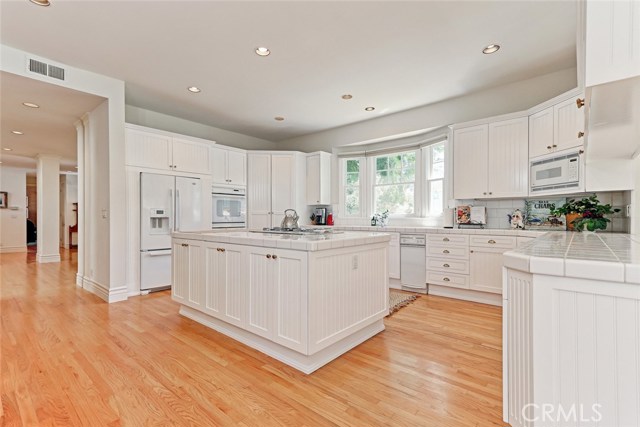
(394, 183)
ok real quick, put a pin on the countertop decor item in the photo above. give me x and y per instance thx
(586, 214)
(381, 219)
(3, 199)
(538, 215)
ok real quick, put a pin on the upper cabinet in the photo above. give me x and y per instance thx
(228, 165)
(612, 41)
(319, 178)
(149, 148)
(559, 127)
(491, 160)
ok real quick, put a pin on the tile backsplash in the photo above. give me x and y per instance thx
(498, 210)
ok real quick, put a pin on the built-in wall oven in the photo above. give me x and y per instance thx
(229, 207)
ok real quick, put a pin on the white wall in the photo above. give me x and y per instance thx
(13, 222)
(486, 103)
(68, 196)
(152, 119)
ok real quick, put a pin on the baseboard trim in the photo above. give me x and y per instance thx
(466, 295)
(47, 258)
(304, 363)
(13, 249)
(109, 295)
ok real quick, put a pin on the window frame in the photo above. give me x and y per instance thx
(428, 162)
(362, 186)
(417, 187)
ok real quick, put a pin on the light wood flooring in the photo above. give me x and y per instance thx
(69, 359)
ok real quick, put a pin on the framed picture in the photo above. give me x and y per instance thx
(3, 200)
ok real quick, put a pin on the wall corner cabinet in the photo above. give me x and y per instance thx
(318, 178)
(557, 128)
(153, 149)
(228, 166)
(491, 160)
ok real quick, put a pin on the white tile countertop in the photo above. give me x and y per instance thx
(598, 256)
(441, 230)
(311, 242)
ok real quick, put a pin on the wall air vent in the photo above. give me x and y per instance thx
(37, 67)
(45, 69)
(56, 72)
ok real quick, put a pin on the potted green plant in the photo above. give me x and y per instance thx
(585, 214)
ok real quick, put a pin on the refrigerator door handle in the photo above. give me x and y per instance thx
(171, 217)
(177, 210)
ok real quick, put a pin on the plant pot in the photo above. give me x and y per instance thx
(570, 217)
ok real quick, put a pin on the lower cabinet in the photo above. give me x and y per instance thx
(485, 257)
(225, 295)
(394, 256)
(188, 273)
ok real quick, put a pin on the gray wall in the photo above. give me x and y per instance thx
(152, 119)
(486, 103)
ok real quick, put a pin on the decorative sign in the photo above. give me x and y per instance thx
(538, 214)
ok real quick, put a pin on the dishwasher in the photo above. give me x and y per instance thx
(413, 262)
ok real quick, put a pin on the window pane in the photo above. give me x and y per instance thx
(398, 199)
(352, 200)
(382, 163)
(436, 201)
(437, 153)
(409, 174)
(395, 162)
(408, 159)
(437, 170)
(353, 165)
(353, 178)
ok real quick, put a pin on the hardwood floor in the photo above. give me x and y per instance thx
(69, 359)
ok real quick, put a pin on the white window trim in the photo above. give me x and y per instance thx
(417, 185)
(426, 158)
(342, 166)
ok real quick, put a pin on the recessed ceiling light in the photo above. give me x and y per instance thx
(41, 2)
(278, 118)
(193, 89)
(8, 149)
(263, 51)
(492, 48)
(17, 132)
(347, 96)
(30, 105)
(369, 108)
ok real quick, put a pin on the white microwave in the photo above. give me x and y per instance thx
(556, 174)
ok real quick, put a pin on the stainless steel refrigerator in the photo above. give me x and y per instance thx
(167, 203)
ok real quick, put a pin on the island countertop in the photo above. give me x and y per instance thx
(598, 256)
(305, 242)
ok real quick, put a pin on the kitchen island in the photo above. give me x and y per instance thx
(302, 299)
(571, 331)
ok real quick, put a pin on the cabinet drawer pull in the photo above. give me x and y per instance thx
(269, 256)
(446, 239)
(446, 265)
(222, 249)
(446, 279)
(491, 241)
(274, 256)
(580, 102)
(548, 147)
(445, 251)
(184, 244)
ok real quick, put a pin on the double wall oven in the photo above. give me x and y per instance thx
(229, 209)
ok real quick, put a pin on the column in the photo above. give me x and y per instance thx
(48, 208)
(81, 175)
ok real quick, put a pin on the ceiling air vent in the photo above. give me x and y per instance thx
(37, 67)
(56, 72)
(45, 69)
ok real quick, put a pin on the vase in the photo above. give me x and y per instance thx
(570, 217)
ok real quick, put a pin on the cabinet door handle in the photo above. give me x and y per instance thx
(580, 102)
(445, 265)
(222, 249)
(485, 193)
(274, 256)
(548, 147)
(554, 145)
(471, 251)
(446, 279)
(446, 239)
(491, 241)
(184, 244)
(580, 134)
(490, 192)
(269, 256)
(445, 251)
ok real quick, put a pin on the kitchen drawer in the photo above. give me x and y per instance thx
(448, 265)
(461, 252)
(446, 279)
(505, 242)
(447, 239)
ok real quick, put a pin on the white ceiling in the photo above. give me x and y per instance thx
(46, 130)
(388, 54)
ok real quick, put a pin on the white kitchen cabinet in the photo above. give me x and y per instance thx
(228, 166)
(225, 283)
(188, 273)
(448, 260)
(470, 162)
(394, 256)
(491, 160)
(485, 261)
(612, 41)
(559, 127)
(277, 291)
(154, 149)
(275, 183)
(319, 178)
